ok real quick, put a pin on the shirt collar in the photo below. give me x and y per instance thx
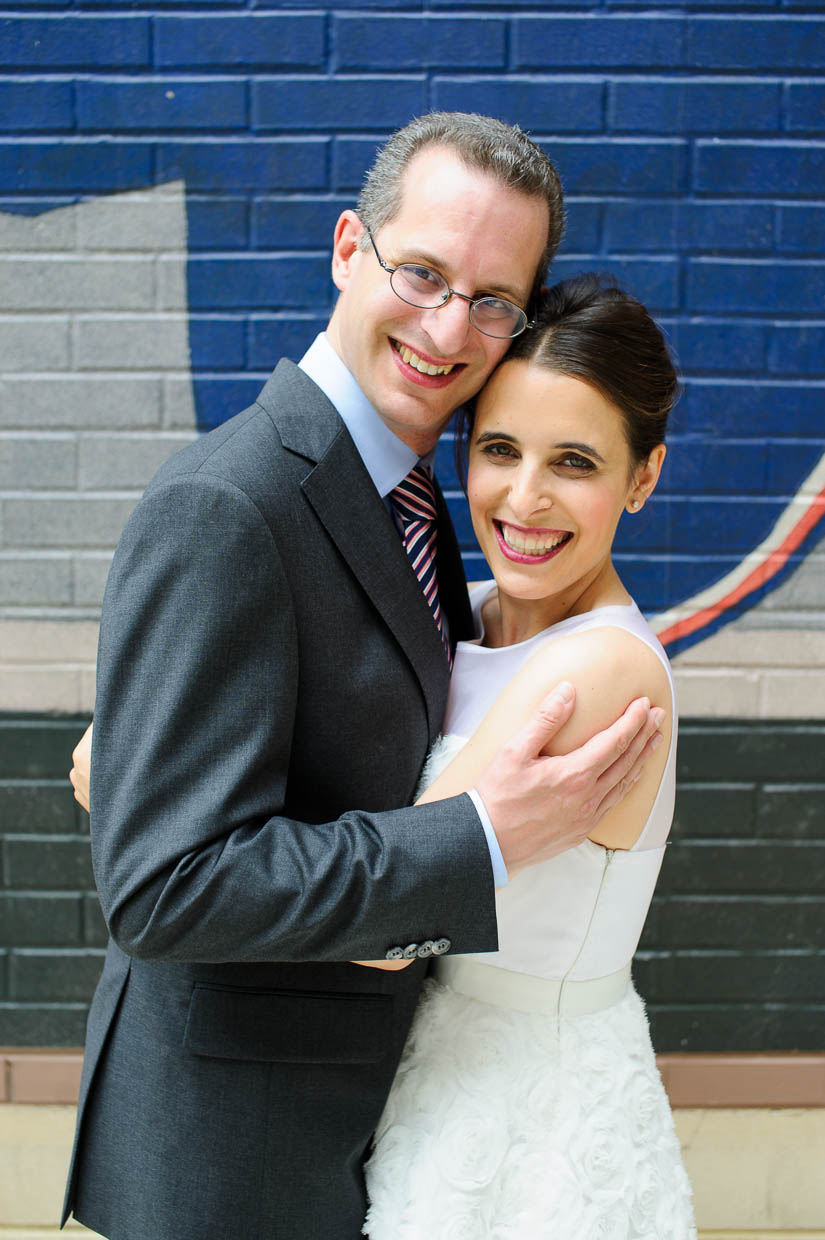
(387, 458)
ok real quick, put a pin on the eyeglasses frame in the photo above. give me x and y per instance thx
(451, 292)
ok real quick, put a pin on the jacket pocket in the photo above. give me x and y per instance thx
(287, 1026)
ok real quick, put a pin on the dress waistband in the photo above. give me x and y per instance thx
(527, 993)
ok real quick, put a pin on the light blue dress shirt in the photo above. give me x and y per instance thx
(388, 460)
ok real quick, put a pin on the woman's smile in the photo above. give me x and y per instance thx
(526, 545)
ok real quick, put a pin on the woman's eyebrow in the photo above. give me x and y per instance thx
(486, 436)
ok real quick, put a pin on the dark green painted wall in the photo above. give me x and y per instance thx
(733, 953)
(732, 957)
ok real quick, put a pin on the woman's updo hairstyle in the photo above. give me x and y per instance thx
(590, 329)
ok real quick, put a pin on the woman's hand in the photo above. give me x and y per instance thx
(392, 965)
(80, 772)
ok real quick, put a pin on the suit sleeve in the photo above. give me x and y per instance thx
(198, 679)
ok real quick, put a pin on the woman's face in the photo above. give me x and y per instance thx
(549, 475)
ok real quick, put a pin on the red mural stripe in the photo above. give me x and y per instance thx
(774, 561)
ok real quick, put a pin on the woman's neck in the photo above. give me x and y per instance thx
(509, 620)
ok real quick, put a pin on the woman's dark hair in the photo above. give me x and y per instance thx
(590, 329)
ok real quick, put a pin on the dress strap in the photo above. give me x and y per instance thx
(552, 996)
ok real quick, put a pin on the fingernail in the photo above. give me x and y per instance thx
(564, 691)
(657, 716)
(656, 740)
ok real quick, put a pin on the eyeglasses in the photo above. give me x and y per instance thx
(421, 286)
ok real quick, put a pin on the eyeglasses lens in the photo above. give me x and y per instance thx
(497, 318)
(425, 288)
(420, 286)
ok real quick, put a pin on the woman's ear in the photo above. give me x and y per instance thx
(645, 479)
(345, 246)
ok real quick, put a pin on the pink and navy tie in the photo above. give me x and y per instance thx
(413, 502)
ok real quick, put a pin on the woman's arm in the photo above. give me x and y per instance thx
(608, 667)
(82, 768)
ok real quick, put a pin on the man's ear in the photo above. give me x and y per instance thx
(345, 246)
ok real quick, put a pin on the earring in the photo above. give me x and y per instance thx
(634, 504)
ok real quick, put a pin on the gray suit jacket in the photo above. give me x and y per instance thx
(269, 682)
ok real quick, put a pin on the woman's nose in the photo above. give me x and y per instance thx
(528, 495)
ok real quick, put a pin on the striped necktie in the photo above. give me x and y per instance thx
(413, 502)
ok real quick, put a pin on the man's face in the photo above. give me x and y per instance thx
(485, 239)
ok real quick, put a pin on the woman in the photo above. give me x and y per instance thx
(528, 1103)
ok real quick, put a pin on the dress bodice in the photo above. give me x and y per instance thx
(579, 915)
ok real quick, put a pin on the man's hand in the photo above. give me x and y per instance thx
(541, 806)
(80, 772)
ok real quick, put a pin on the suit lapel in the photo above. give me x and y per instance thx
(346, 502)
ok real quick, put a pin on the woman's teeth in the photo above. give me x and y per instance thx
(531, 544)
(412, 359)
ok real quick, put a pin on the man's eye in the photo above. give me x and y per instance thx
(421, 277)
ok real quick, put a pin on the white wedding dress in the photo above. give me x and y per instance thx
(528, 1105)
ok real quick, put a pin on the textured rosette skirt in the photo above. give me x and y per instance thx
(511, 1125)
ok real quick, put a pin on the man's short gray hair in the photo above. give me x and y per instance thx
(502, 151)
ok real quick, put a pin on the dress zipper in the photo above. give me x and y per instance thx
(608, 857)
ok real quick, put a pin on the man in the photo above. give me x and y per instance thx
(270, 677)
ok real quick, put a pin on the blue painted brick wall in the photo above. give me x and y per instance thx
(690, 138)
(403, 42)
(240, 42)
(88, 43)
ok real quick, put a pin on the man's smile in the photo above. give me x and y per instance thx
(422, 369)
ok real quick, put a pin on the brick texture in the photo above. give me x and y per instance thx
(733, 952)
(732, 956)
(245, 41)
(169, 181)
(50, 937)
(404, 42)
(85, 42)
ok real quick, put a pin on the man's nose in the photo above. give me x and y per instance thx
(449, 326)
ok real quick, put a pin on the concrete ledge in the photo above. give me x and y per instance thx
(756, 1174)
(751, 1127)
(730, 1080)
(755, 1171)
(47, 1233)
(35, 1146)
(45, 1076)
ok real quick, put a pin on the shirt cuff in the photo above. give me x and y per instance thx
(500, 875)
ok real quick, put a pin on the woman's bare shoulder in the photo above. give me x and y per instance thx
(609, 667)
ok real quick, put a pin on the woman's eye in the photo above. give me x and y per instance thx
(580, 463)
(500, 450)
